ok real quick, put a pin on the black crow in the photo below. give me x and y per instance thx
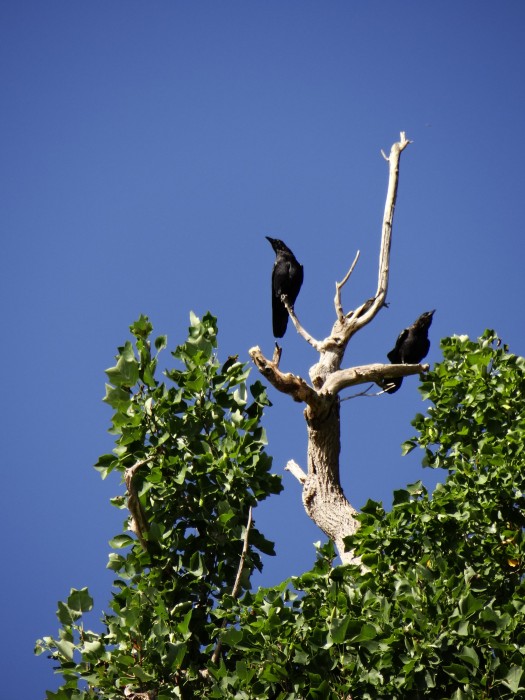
(287, 278)
(412, 345)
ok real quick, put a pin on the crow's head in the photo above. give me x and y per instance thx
(278, 245)
(425, 319)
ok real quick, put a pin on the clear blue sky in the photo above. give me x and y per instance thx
(147, 149)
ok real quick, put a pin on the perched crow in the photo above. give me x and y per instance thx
(411, 347)
(287, 278)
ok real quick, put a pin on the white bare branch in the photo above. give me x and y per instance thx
(339, 286)
(377, 373)
(302, 332)
(386, 237)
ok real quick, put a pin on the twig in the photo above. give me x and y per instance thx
(362, 393)
(339, 286)
(367, 395)
(237, 583)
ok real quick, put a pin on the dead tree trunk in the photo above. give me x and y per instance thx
(323, 497)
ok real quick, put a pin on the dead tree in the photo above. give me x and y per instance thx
(323, 497)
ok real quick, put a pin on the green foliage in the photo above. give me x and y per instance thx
(194, 447)
(438, 612)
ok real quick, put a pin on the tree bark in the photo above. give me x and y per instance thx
(323, 497)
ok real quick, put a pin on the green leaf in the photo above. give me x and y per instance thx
(94, 648)
(121, 541)
(338, 628)
(470, 656)
(470, 605)
(196, 566)
(401, 496)
(408, 446)
(142, 327)
(126, 371)
(161, 342)
(513, 678)
(65, 648)
(176, 654)
(232, 636)
(458, 672)
(78, 602)
(183, 627)
(367, 632)
(117, 398)
(243, 671)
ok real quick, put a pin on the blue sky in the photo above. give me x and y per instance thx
(147, 149)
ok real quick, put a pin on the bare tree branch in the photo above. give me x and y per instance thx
(377, 373)
(291, 312)
(386, 237)
(237, 583)
(339, 286)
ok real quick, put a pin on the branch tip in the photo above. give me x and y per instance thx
(404, 142)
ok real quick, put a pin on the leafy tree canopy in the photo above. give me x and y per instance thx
(437, 610)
